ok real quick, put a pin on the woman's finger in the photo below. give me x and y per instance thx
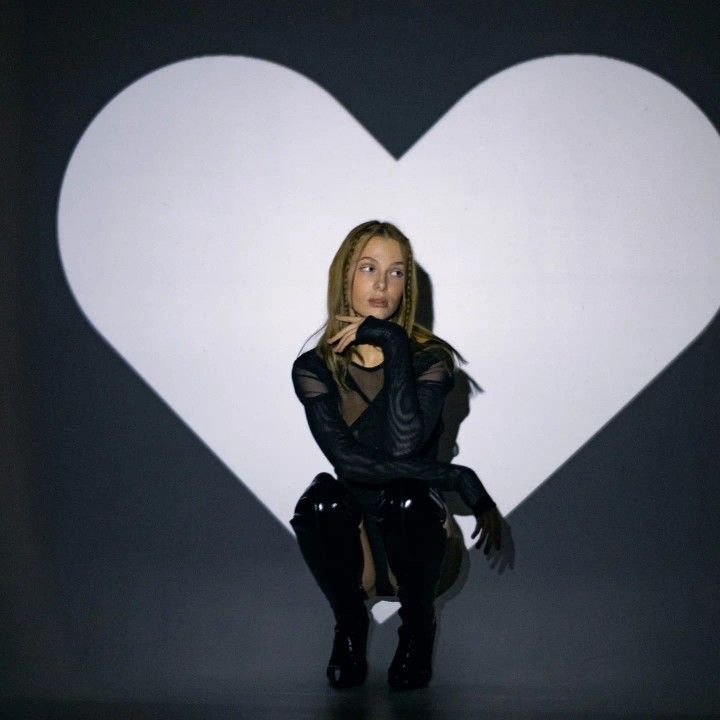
(345, 342)
(340, 334)
(485, 527)
(348, 337)
(488, 543)
(491, 533)
(488, 533)
(350, 318)
(483, 535)
(336, 336)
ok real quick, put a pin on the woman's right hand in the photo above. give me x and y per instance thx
(347, 334)
(369, 330)
(489, 526)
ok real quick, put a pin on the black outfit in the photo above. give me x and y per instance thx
(381, 438)
(398, 431)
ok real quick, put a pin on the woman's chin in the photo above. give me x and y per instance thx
(379, 312)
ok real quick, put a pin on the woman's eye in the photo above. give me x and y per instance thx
(399, 273)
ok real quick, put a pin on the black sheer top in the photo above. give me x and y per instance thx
(388, 425)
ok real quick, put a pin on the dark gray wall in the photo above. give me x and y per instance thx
(135, 567)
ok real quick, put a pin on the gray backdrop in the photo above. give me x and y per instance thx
(136, 568)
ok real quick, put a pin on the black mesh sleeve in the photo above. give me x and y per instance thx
(315, 388)
(414, 404)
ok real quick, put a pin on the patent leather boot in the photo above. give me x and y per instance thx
(347, 666)
(411, 666)
(327, 525)
(411, 519)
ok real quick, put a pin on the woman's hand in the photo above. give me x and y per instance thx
(347, 334)
(488, 525)
(374, 331)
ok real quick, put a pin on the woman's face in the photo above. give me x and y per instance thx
(378, 275)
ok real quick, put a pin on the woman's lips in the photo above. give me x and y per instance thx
(378, 303)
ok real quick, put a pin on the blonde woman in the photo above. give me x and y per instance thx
(373, 390)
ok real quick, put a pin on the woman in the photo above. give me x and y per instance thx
(373, 389)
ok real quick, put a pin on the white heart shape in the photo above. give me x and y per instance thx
(566, 210)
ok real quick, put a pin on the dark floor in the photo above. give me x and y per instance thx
(372, 701)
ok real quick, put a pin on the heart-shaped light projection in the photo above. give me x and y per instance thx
(566, 210)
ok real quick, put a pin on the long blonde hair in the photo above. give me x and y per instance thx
(339, 298)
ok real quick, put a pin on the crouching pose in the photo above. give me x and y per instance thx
(373, 390)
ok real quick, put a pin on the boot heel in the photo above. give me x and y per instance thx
(411, 667)
(348, 665)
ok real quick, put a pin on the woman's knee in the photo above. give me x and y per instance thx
(412, 499)
(411, 517)
(326, 498)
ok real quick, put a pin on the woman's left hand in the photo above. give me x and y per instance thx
(347, 334)
(488, 524)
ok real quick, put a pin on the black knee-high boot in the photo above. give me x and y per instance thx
(411, 521)
(326, 523)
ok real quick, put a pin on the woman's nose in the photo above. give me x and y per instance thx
(379, 283)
